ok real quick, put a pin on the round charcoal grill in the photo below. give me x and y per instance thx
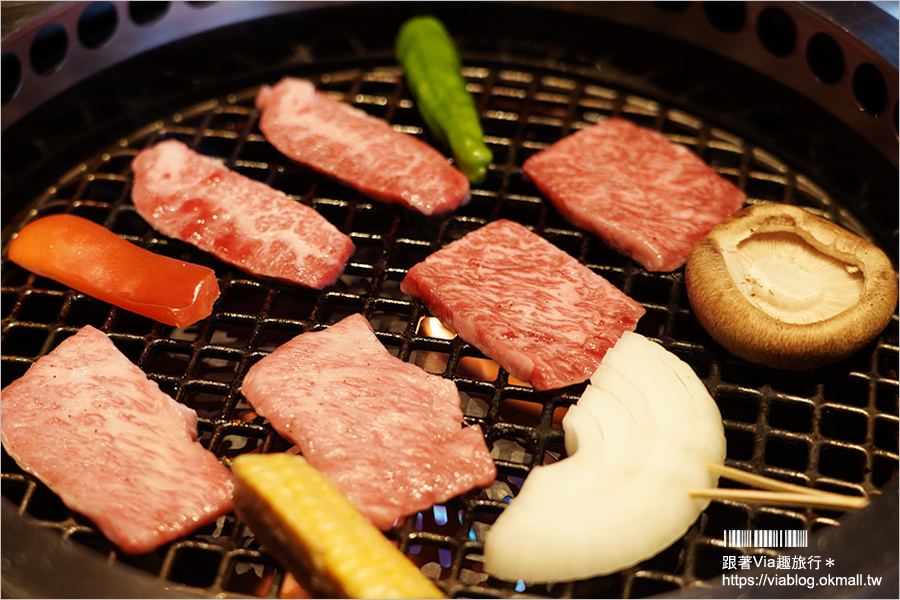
(783, 99)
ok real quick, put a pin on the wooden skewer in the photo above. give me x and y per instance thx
(761, 481)
(775, 492)
(826, 501)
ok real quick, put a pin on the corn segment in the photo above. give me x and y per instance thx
(318, 534)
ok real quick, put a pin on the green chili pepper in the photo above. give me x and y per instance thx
(432, 67)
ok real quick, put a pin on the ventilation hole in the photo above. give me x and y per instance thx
(672, 8)
(97, 24)
(776, 31)
(848, 464)
(195, 567)
(11, 74)
(787, 453)
(48, 49)
(728, 17)
(144, 13)
(825, 58)
(869, 89)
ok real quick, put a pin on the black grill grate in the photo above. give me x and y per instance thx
(833, 428)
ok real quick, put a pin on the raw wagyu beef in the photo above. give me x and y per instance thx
(386, 433)
(647, 197)
(244, 222)
(115, 448)
(363, 151)
(543, 316)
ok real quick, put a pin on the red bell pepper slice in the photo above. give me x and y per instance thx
(93, 260)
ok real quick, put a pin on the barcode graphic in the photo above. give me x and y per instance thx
(766, 538)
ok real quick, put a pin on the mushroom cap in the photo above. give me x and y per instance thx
(727, 298)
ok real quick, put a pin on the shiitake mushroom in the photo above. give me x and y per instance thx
(777, 285)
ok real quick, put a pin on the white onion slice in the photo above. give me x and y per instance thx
(638, 440)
